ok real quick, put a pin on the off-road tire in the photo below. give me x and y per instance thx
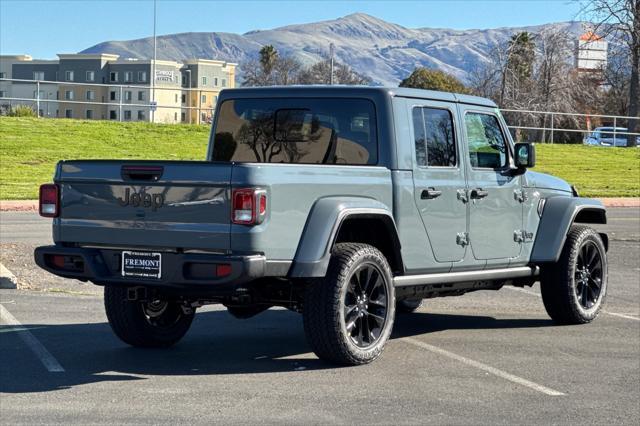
(324, 304)
(130, 323)
(558, 281)
(408, 306)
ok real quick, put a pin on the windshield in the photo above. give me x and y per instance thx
(292, 130)
(609, 135)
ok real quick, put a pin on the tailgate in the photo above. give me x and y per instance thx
(162, 204)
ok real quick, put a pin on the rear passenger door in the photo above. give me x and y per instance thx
(438, 176)
(495, 205)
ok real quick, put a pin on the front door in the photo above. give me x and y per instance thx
(438, 175)
(495, 207)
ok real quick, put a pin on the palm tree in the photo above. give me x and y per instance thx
(268, 58)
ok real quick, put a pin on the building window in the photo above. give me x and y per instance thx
(203, 98)
(39, 94)
(91, 76)
(127, 96)
(128, 76)
(141, 95)
(68, 75)
(112, 95)
(215, 81)
(40, 113)
(175, 116)
(184, 99)
(113, 76)
(183, 117)
(2, 93)
(91, 95)
(203, 117)
(68, 113)
(175, 98)
(38, 75)
(204, 81)
(141, 115)
(184, 79)
(113, 115)
(68, 95)
(127, 115)
(3, 75)
(224, 82)
(142, 76)
(89, 114)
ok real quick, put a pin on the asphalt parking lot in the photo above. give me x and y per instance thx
(483, 358)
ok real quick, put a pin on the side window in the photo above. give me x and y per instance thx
(487, 146)
(434, 140)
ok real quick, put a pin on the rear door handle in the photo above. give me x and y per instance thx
(478, 193)
(430, 194)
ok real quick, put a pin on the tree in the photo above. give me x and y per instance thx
(320, 73)
(620, 20)
(522, 55)
(275, 69)
(271, 69)
(518, 64)
(268, 58)
(424, 78)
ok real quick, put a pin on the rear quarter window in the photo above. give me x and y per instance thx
(292, 130)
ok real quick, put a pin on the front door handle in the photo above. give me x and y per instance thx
(478, 193)
(430, 194)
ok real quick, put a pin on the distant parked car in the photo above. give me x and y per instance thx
(608, 136)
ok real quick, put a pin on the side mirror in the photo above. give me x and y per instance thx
(525, 155)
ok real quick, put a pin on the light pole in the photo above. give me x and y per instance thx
(153, 64)
(189, 94)
(331, 48)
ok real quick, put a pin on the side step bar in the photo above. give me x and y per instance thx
(466, 276)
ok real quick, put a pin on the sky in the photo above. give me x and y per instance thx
(43, 28)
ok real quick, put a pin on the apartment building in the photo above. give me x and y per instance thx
(104, 86)
(131, 91)
(82, 85)
(206, 78)
(37, 72)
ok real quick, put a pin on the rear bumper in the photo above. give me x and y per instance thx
(103, 267)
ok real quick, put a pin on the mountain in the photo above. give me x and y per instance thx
(384, 51)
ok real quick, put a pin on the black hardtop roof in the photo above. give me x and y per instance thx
(347, 91)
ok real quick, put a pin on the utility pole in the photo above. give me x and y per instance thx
(331, 48)
(153, 64)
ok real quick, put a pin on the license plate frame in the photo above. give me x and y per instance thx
(141, 264)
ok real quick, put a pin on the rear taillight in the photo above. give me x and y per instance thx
(49, 200)
(249, 206)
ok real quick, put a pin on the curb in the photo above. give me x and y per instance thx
(7, 279)
(32, 205)
(19, 205)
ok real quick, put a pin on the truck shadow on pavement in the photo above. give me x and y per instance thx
(272, 342)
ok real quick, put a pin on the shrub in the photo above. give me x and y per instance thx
(22, 111)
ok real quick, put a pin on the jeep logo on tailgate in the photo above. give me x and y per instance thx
(141, 199)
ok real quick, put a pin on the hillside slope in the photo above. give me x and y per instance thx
(384, 51)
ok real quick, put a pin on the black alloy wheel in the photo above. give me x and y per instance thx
(365, 305)
(588, 275)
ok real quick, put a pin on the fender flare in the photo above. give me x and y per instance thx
(558, 215)
(322, 227)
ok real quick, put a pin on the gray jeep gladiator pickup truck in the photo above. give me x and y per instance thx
(346, 204)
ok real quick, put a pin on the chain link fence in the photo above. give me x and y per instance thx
(177, 104)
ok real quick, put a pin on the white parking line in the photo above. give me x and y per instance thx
(615, 314)
(48, 360)
(484, 367)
